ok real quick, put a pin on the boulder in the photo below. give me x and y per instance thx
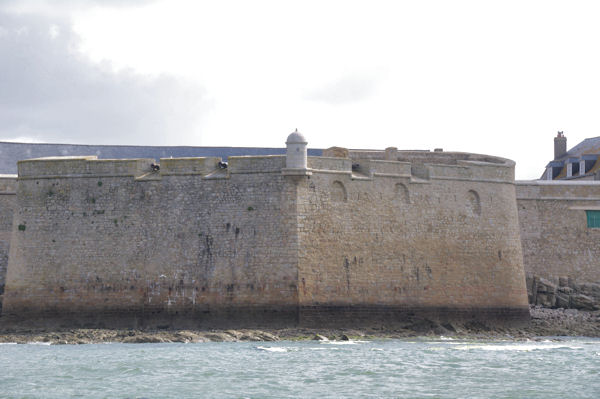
(423, 326)
(547, 300)
(449, 327)
(319, 337)
(563, 297)
(565, 290)
(563, 281)
(583, 302)
(545, 286)
(250, 337)
(143, 339)
(531, 289)
(590, 289)
(545, 292)
(562, 300)
(265, 336)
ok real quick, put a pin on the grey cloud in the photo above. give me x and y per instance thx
(50, 92)
(345, 91)
(66, 5)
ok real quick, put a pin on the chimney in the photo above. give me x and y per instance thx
(560, 145)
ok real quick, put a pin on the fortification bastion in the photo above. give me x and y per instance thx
(354, 237)
(8, 185)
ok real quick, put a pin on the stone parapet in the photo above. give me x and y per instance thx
(333, 164)
(252, 164)
(84, 166)
(386, 168)
(8, 184)
(188, 166)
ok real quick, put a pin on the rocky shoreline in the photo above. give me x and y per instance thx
(544, 323)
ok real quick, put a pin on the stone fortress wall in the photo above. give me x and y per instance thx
(433, 234)
(8, 186)
(110, 242)
(561, 253)
(367, 236)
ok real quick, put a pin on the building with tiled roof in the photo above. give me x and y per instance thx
(581, 162)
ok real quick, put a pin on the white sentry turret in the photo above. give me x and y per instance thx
(296, 151)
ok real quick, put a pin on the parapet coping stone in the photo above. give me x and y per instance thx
(557, 182)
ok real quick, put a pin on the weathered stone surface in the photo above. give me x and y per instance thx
(116, 243)
(591, 289)
(545, 286)
(400, 242)
(565, 290)
(547, 300)
(8, 184)
(557, 243)
(558, 246)
(542, 292)
(337, 152)
(583, 302)
(562, 300)
(563, 281)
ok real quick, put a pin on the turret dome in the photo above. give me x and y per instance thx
(296, 138)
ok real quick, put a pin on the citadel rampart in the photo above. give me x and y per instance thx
(403, 237)
(556, 240)
(107, 242)
(378, 236)
(8, 184)
(558, 245)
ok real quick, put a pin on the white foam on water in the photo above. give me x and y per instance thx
(518, 347)
(437, 348)
(271, 349)
(39, 343)
(8, 343)
(350, 342)
(447, 343)
(322, 349)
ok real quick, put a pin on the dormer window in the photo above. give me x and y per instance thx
(553, 169)
(587, 162)
(572, 167)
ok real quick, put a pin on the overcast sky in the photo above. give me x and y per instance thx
(490, 77)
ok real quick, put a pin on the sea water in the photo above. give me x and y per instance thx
(413, 368)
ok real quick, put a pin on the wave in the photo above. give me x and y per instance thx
(272, 349)
(517, 347)
(350, 342)
(322, 349)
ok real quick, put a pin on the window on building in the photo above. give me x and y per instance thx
(593, 219)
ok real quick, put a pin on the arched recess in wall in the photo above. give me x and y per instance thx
(473, 203)
(401, 193)
(338, 192)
